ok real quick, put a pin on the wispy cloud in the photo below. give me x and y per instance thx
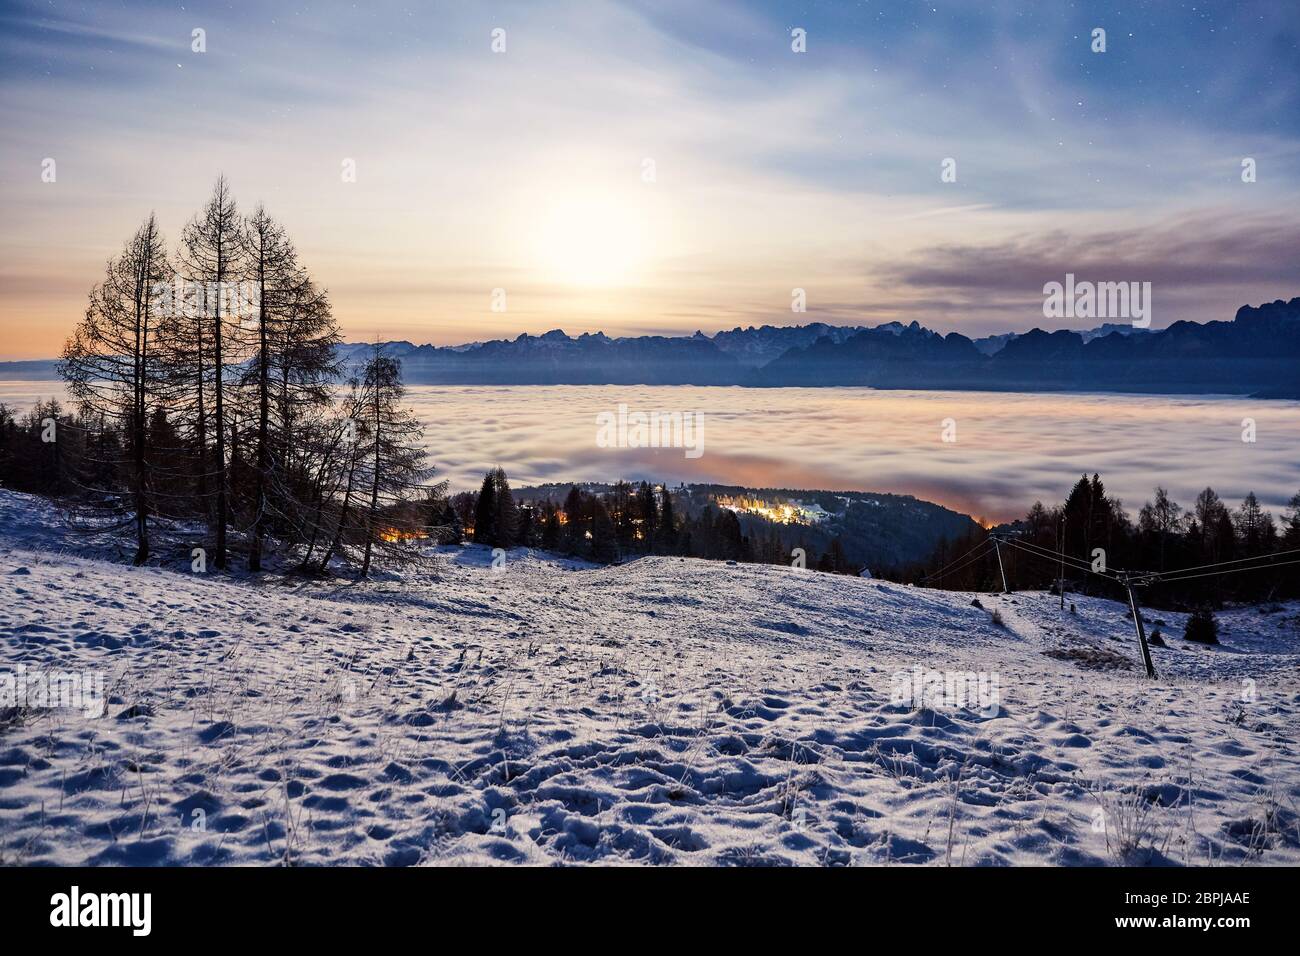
(1232, 258)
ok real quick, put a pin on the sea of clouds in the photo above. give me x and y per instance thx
(1010, 449)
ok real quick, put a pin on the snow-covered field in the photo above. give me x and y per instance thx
(664, 711)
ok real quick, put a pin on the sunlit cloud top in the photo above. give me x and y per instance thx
(663, 166)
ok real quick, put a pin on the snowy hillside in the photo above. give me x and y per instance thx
(664, 711)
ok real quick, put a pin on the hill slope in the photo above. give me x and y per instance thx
(664, 711)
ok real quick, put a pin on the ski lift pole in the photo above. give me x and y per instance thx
(1060, 586)
(1127, 581)
(997, 542)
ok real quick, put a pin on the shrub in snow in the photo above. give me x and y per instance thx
(997, 619)
(1202, 627)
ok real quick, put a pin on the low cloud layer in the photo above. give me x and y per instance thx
(1011, 449)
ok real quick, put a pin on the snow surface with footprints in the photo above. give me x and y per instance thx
(664, 711)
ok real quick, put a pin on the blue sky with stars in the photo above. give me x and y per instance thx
(526, 169)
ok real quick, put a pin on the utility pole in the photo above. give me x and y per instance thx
(997, 542)
(1127, 580)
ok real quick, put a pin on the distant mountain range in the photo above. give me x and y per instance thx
(1257, 352)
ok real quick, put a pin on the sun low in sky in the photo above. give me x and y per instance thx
(596, 239)
(662, 167)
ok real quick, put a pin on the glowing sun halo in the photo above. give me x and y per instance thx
(591, 241)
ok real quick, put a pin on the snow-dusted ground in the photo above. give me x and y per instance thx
(665, 711)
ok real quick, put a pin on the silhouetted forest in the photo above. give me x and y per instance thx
(1206, 552)
(627, 521)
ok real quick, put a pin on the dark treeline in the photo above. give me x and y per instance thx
(626, 521)
(1166, 538)
(208, 411)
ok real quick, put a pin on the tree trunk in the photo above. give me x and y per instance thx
(374, 494)
(201, 429)
(138, 413)
(343, 517)
(219, 560)
(263, 424)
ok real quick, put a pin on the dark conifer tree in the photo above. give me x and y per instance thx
(485, 511)
(577, 523)
(505, 514)
(668, 542)
(648, 514)
(551, 529)
(604, 545)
